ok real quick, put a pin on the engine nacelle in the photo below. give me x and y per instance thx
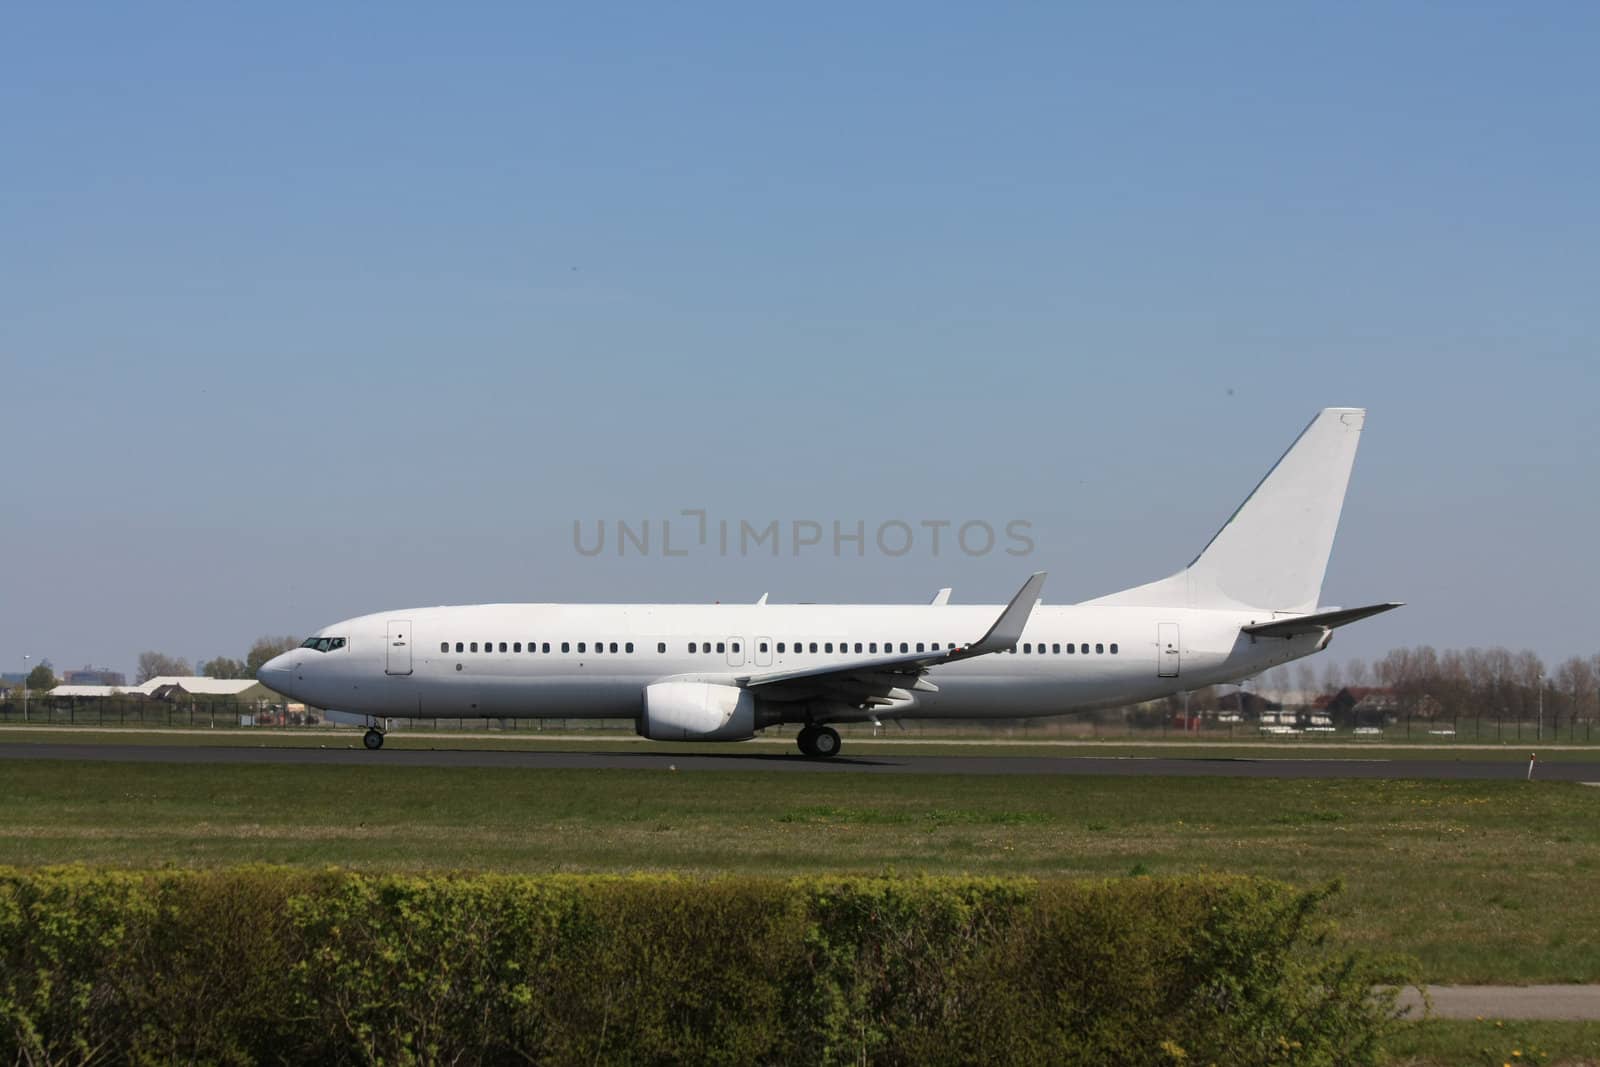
(697, 711)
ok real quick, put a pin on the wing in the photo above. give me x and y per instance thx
(887, 680)
(1322, 620)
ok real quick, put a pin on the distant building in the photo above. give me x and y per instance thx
(1249, 705)
(94, 676)
(1359, 705)
(171, 687)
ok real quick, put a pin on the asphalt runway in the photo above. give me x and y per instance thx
(655, 760)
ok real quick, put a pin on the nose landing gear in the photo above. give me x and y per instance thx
(819, 741)
(373, 739)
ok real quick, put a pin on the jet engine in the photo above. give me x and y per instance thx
(697, 711)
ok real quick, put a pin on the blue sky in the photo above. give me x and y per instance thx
(305, 313)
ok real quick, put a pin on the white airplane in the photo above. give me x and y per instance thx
(725, 672)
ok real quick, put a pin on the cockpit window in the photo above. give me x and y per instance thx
(323, 644)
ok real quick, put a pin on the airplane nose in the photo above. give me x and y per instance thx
(277, 674)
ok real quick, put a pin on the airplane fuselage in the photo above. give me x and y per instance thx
(595, 660)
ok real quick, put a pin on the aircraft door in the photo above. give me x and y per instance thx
(1167, 654)
(735, 651)
(763, 652)
(399, 650)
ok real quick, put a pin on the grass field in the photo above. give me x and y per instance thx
(1491, 1042)
(1482, 881)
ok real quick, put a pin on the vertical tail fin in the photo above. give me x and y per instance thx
(1273, 552)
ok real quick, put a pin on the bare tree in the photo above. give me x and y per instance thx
(264, 649)
(1306, 677)
(158, 664)
(223, 667)
(1332, 678)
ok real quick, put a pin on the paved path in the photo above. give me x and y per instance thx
(1567, 1003)
(747, 760)
(312, 735)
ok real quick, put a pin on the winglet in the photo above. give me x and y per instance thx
(942, 597)
(1007, 629)
(762, 601)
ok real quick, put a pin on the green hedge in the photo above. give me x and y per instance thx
(269, 965)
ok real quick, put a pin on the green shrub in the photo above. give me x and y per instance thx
(270, 965)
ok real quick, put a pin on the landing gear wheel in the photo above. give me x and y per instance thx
(825, 742)
(807, 740)
(373, 740)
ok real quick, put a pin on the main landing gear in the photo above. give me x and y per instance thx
(373, 739)
(819, 741)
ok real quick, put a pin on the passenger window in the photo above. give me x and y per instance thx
(813, 646)
(1071, 648)
(722, 646)
(628, 647)
(1055, 649)
(613, 646)
(661, 647)
(474, 646)
(459, 648)
(1028, 647)
(444, 646)
(1099, 647)
(545, 647)
(904, 647)
(1113, 648)
(828, 647)
(873, 647)
(1083, 649)
(780, 648)
(736, 646)
(763, 646)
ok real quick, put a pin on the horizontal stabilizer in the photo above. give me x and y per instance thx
(1322, 620)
